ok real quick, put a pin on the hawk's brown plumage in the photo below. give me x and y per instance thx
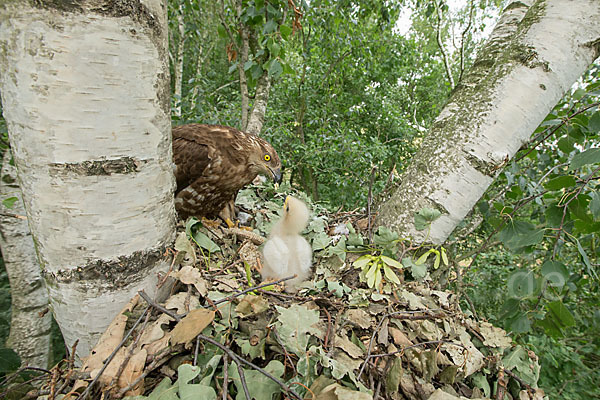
(213, 162)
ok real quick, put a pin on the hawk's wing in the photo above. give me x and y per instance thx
(190, 155)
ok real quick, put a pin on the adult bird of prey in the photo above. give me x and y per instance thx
(212, 163)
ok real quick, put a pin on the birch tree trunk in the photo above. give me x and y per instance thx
(85, 92)
(256, 117)
(534, 55)
(29, 324)
(179, 60)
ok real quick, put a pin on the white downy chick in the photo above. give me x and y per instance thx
(286, 253)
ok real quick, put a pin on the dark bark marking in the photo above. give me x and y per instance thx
(124, 165)
(112, 8)
(115, 273)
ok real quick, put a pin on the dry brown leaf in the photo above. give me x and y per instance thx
(111, 370)
(382, 334)
(359, 317)
(191, 325)
(154, 331)
(225, 284)
(251, 305)
(399, 337)
(494, 337)
(350, 348)
(191, 276)
(182, 302)
(110, 339)
(158, 345)
(132, 371)
(249, 253)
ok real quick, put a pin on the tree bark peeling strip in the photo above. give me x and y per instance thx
(134, 9)
(114, 274)
(123, 165)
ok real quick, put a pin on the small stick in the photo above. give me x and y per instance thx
(162, 355)
(196, 352)
(239, 359)
(243, 381)
(87, 391)
(518, 379)
(225, 376)
(158, 306)
(362, 368)
(417, 345)
(250, 289)
(326, 340)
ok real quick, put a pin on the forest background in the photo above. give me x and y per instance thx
(353, 92)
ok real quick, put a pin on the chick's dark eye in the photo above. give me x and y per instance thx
(287, 209)
(267, 157)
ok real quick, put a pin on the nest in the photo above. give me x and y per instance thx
(221, 334)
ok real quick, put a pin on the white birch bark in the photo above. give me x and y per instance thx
(179, 61)
(29, 324)
(521, 73)
(85, 92)
(256, 118)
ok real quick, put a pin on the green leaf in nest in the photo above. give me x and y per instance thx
(391, 262)
(362, 261)
(425, 217)
(384, 236)
(204, 241)
(294, 325)
(320, 241)
(418, 271)
(390, 275)
(259, 386)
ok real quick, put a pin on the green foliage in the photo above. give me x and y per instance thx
(194, 230)
(371, 267)
(544, 208)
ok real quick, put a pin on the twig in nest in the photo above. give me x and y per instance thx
(326, 340)
(395, 314)
(286, 354)
(248, 235)
(87, 391)
(164, 354)
(158, 306)
(239, 360)
(131, 349)
(225, 376)
(520, 380)
(70, 365)
(250, 289)
(243, 381)
(417, 345)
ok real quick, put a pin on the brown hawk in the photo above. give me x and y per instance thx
(212, 163)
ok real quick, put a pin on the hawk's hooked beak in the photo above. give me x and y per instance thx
(276, 175)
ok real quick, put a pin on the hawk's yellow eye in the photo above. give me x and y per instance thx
(267, 157)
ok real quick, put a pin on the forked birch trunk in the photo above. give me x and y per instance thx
(29, 320)
(85, 91)
(531, 60)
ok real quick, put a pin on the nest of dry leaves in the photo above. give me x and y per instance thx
(220, 334)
